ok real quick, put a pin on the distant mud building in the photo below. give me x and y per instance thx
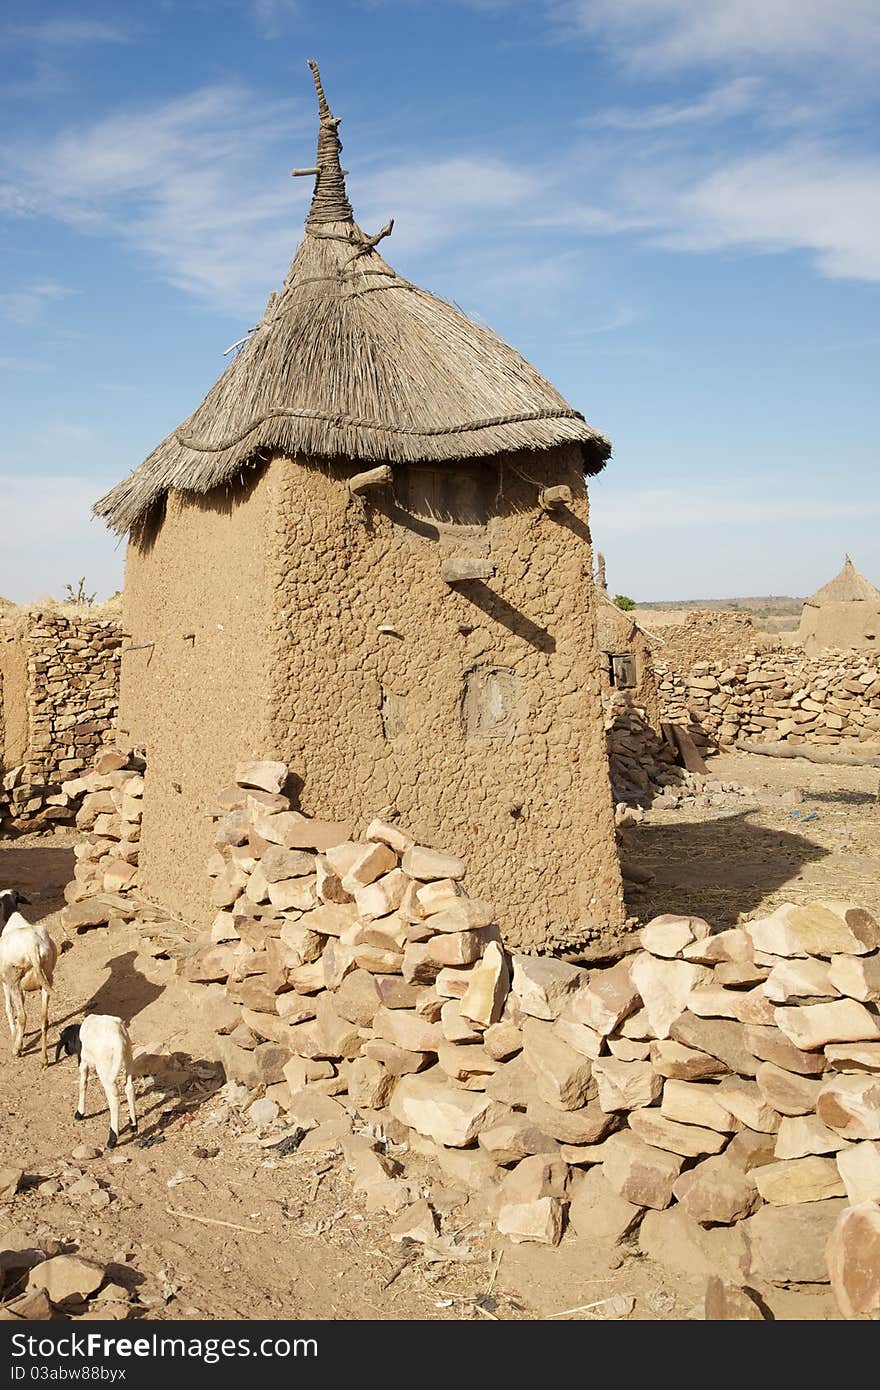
(366, 553)
(843, 613)
(627, 657)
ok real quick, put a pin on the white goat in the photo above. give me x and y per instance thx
(102, 1044)
(27, 962)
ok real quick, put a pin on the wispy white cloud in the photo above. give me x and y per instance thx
(719, 104)
(68, 32)
(435, 200)
(10, 363)
(674, 34)
(198, 185)
(272, 16)
(28, 305)
(803, 197)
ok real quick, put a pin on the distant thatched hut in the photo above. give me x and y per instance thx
(627, 664)
(413, 638)
(843, 613)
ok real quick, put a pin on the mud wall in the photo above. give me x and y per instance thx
(473, 711)
(619, 634)
(13, 692)
(198, 593)
(838, 625)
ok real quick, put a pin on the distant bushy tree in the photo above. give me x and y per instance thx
(627, 604)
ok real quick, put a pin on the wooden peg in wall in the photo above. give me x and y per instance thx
(460, 568)
(373, 478)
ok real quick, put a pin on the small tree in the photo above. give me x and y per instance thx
(79, 595)
(623, 602)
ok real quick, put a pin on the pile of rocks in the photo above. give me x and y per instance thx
(640, 762)
(727, 1080)
(783, 696)
(644, 771)
(70, 686)
(39, 1282)
(110, 801)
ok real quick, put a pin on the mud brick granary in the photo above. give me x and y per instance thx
(845, 612)
(367, 553)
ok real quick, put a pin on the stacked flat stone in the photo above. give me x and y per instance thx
(72, 702)
(640, 762)
(711, 635)
(110, 802)
(782, 696)
(643, 768)
(720, 1079)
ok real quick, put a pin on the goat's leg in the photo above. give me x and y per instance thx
(80, 1111)
(129, 1096)
(20, 1021)
(109, 1085)
(44, 1027)
(10, 1012)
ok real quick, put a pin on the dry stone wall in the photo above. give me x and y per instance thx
(60, 694)
(110, 802)
(782, 696)
(706, 635)
(645, 772)
(719, 1087)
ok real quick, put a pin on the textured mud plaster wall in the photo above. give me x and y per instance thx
(370, 696)
(836, 626)
(13, 693)
(197, 587)
(618, 635)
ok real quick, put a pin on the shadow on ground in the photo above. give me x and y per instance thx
(716, 869)
(125, 991)
(40, 871)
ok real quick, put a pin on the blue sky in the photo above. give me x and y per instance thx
(672, 207)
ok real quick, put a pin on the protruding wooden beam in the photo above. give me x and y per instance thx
(373, 478)
(461, 568)
(552, 497)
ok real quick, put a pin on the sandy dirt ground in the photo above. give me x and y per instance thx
(296, 1242)
(808, 831)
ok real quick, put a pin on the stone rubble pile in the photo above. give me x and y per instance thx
(110, 801)
(777, 697)
(713, 1080)
(72, 683)
(644, 771)
(39, 1282)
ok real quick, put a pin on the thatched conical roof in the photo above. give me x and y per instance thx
(352, 361)
(847, 587)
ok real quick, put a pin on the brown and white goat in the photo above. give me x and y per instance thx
(27, 963)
